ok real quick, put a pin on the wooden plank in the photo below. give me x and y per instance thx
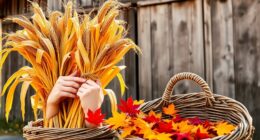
(54, 5)
(246, 21)
(131, 75)
(223, 48)
(142, 3)
(160, 48)
(144, 42)
(208, 42)
(15, 62)
(187, 42)
(247, 56)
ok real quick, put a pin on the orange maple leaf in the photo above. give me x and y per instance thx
(170, 110)
(160, 136)
(182, 127)
(126, 131)
(199, 127)
(118, 120)
(223, 128)
(144, 127)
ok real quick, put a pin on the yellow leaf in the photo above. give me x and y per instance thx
(127, 131)
(160, 136)
(145, 128)
(118, 120)
(170, 110)
(122, 83)
(138, 102)
(224, 128)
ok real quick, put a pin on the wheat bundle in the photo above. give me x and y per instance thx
(58, 46)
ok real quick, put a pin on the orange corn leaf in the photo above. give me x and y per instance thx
(223, 128)
(170, 110)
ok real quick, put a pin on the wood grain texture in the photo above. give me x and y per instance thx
(223, 54)
(145, 64)
(247, 56)
(187, 42)
(160, 44)
(55, 5)
(131, 72)
(207, 26)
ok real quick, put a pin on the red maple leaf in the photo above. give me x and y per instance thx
(153, 117)
(207, 123)
(128, 106)
(96, 117)
(164, 127)
(199, 135)
(195, 121)
(181, 136)
(177, 118)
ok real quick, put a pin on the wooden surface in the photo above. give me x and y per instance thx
(207, 26)
(145, 64)
(223, 48)
(217, 39)
(247, 56)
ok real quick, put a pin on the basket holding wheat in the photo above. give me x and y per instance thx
(57, 46)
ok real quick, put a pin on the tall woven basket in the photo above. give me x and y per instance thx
(205, 105)
(35, 131)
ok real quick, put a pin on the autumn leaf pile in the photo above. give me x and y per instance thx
(58, 46)
(133, 122)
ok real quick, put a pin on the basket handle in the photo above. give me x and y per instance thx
(189, 76)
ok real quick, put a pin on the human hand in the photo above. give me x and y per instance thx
(65, 87)
(91, 97)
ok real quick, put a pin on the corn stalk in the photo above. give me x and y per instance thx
(60, 45)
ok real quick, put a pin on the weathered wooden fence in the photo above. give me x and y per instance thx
(217, 39)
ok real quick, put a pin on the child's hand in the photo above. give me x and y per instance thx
(65, 87)
(91, 96)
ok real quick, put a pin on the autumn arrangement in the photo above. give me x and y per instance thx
(133, 122)
(93, 45)
(58, 46)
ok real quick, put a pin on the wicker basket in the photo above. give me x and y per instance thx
(205, 105)
(35, 131)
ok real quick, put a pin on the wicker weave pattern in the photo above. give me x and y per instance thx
(205, 105)
(34, 132)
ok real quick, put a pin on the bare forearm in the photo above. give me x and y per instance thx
(51, 110)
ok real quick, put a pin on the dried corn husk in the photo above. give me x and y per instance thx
(60, 45)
